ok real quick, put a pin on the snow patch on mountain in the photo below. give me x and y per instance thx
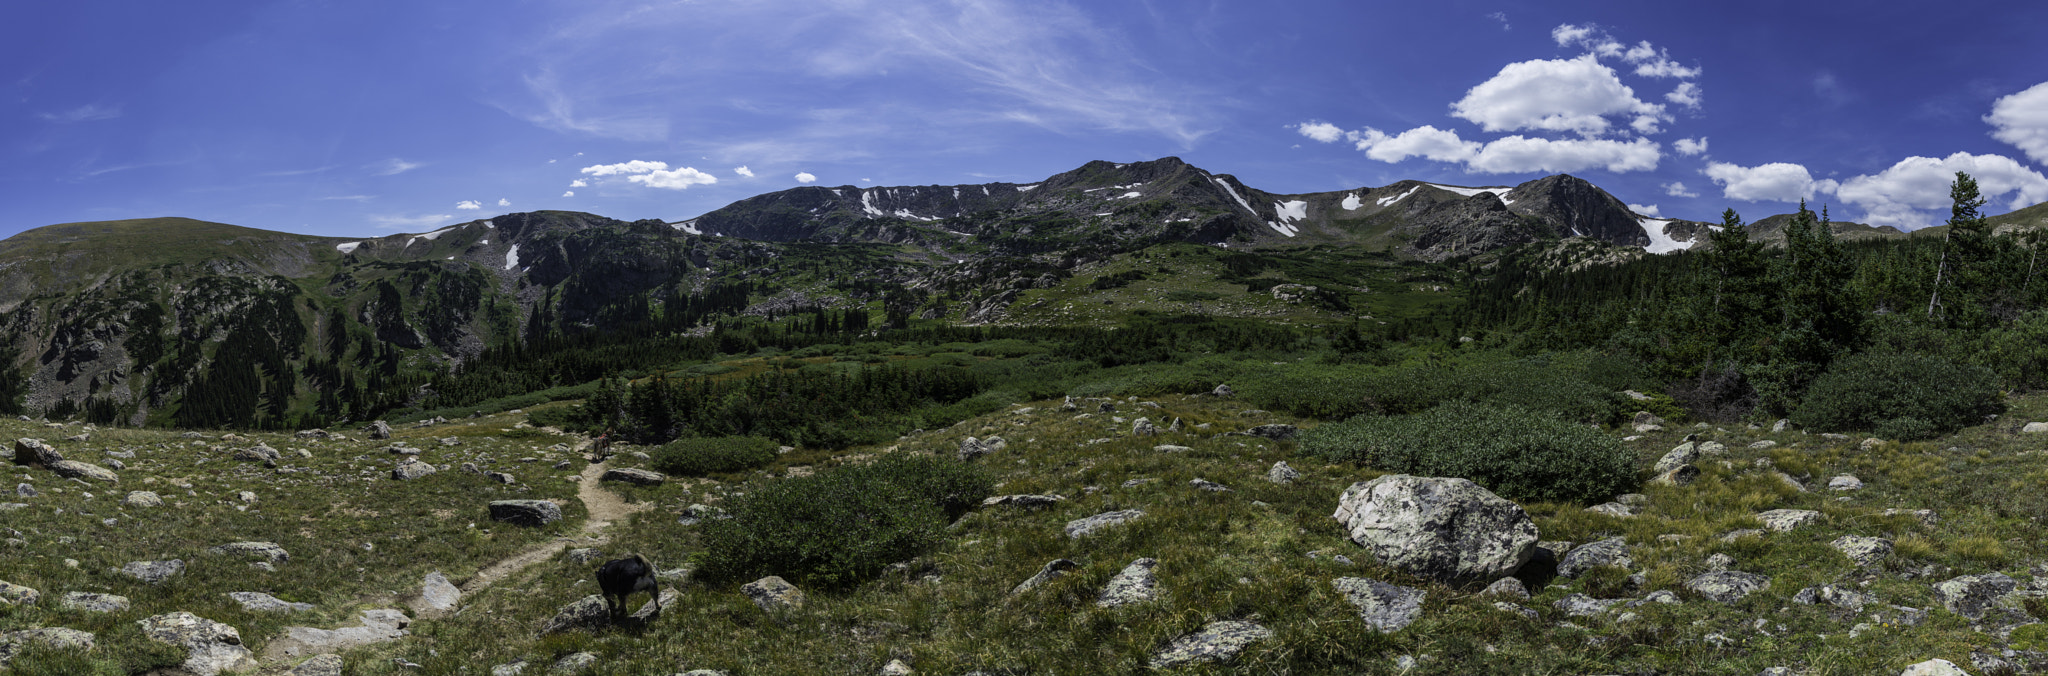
(1290, 213)
(1131, 195)
(1387, 201)
(1661, 243)
(512, 257)
(1233, 195)
(689, 226)
(867, 204)
(1352, 203)
(1026, 188)
(1499, 192)
(906, 215)
(347, 247)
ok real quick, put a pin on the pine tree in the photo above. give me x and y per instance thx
(1965, 273)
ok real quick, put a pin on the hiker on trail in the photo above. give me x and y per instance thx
(601, 449)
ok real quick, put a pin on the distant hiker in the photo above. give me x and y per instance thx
(625, 577)
(601, 449)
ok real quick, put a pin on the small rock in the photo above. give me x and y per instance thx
(589, 612)
(1782, 520)
(320, 665)
(1720, 561)
(1727, 586)
(268, 551)
(1222, 391)
(1216, 642)
(413, 469)
(1509, 587)
(1925, 516)
(153, 571)
(1080, 528)
(1143, 427)
(637, 477)
(1737, 534)
(1832, 595)
(1682, 475)
(1611, 509)
(1170, 448)
(94, 603)
(1581, 605)
(264, 603)
(143, 499)
(1282, 474)
(1845, 482)
(1023, 501)
(1275, 432)
(774, 594)
(1207, 485)
(1972, 596)
(1939, 667)
(1763, 445)
(525, 512)
(437, 594)
(1863, 550)
(1386, 608)
(18, 595)
(1609, 552)
(1685, 454)
(54, 637)
(1134, 584)
(1052, 570)
(573, 663)
(897, 668)
(211, 647)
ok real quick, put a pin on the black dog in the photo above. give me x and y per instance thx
(625, 577)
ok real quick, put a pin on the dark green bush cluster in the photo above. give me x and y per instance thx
(1898, 396)
(1559, 389)
(707, 455)
(1514, 452)
(843, 525)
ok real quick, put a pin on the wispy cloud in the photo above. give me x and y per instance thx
(559, 112)
(394, 221)
(393, 167)
(85, 113)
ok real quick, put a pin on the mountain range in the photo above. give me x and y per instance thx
(135, 316)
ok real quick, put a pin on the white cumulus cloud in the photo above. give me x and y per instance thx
(744, 171)
(469, 204)
(1690, 146)
(1645, 209)
(568, 193)
(579, 183)
(1442, 145)
(1773, 182)
(1516, 154)
(805, 177)
(1678, 189)
(633, 167)
(679, 178)
(504, 202)
(1685, 94)
(1573, 95)
(1320, 131)
(2022, 120)
(1915, 192)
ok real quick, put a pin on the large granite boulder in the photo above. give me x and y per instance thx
(210, 647)
(73, 469)
(1445, 529)
(35, 453)
(525, 512)
(637, 477)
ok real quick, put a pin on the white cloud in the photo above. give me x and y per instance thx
(1678, 189)
(1690, 146)
(1915, 191)
(1502, 17)
(1515, 154)
(1588, 36)
(579, 183)
(504, 202)
(1509, 155)
(1442, 145)
(394, 166)
(393, 221)
(85, 113)
(471, 205)
(1685, 94)
(568, 193)
(744, 171)
(1646, 210)
(1554, 95)
(633, 167)
(1653, 62)
(805, 177)
(679, 178)
(1774, 182)
(2022, 120)
(1320, 131)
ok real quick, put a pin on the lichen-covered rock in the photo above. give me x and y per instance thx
(1828, 594)
(153, 571)
(260, 602)
(413, 469)
(1445, 529)
(1682, 475)
(774, 594)
(1782, 520)
(574, 663)
(1080, 528)
(971, 448)
(93, 603)
(1282, 474)
(1216, 642)
(1938, 667)
(268, 551)
(73, 469)
(18, 595)
(637, 477)
(320, 665)
(1509, 587)
(589, 612)
(1685, 454)
(1863, 550)
(1581, 605)
(378, 430)
(143, 499)
(1727, 586)
(13, 642)
(525, 512)
(1134, 584)
(1609, 552)
(1845, 482)
(210, 647)
(1052, 570)
(1023, 501)
(1972, 595)
(1276, 432)
(1387, 608)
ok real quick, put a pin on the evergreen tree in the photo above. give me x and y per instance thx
(1965, 275)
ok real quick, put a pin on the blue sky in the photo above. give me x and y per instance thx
(369, 117)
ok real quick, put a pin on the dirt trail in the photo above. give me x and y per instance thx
(604, 507)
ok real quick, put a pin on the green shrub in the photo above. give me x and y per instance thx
(707, 455)
(843, 525)
(1898, 396)
(1516, 453)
